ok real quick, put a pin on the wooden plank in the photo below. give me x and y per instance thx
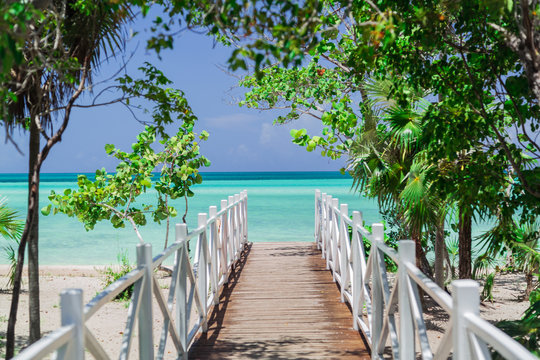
(280, 304)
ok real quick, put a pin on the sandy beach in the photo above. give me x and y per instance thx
(109, 322)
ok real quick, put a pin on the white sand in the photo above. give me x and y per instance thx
(109, 322)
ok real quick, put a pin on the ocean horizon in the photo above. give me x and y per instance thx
(280, 209)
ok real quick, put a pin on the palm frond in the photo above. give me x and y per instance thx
(10, 225)
(483, 264)
(405, 128)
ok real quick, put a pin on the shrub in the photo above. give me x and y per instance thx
(114, 273)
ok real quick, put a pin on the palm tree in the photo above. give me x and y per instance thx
(63, 48)
(11, 230)
(387, 163)
(10, 225)
(521, 244)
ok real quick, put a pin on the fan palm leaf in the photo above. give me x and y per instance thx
(10, 226)
(422, 206)
(90, 30)
(405, 128)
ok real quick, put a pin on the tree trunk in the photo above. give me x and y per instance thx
(421, 261)
(33, 240)
(36, 160)
(29, 232)
(33, 195)
(440, 248)
(530, 287)
(465, 244)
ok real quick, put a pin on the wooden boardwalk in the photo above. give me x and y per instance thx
(281, 303)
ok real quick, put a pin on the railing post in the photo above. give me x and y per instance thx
(317, 224)
(182, 317)
(343, 256)
(357, 275)
(335, 237)
(406, 326)
(324, 224)
(329, 216)
(214, 269)
(71, 304)
(232, 234)
(245, 202)
(376, 290)
(224, 242)
(465, 300)
(146, 334)
(203, 271)
(238, 225)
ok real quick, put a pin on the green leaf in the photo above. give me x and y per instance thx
(146, 182)
(109, 148)
(46, 210)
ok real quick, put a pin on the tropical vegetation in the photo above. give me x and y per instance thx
(11, 227)
(434, 103)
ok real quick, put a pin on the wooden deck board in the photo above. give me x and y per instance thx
(280, 304)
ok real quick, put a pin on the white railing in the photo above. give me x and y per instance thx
(220, 240)
(375, 299)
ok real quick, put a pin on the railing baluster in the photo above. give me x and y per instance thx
(466, 299)
(182, 259)
(317, 223)
(224, 242)
(236, 233)
(214, 240)
(146, 334)
(357, 275)
(202, 272)
(406, 326)
(344, 256)
(71, 304)
(377, 301)
(324, 226)
(335, 238)
(232, 242)
(245, 227)
(329, 215)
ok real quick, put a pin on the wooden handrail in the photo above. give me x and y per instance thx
(196, 281)
(365, 286)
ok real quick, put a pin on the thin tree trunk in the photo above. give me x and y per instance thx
(17, 280)
(33, 201)
(450, 266)
(529, 281)
(168, 222)
(30, 226)
(465, 244)
(440, 248)
(421, 260)
(33, 240)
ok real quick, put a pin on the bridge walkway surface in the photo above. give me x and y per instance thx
(280, 303)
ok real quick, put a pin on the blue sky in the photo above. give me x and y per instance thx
(241, 139)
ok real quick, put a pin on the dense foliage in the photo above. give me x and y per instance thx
(434, 103)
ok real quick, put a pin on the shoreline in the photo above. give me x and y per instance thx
(63, 270)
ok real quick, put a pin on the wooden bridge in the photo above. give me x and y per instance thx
(328, 299)
(281, 304)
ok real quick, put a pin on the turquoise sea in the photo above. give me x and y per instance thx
(280, 208)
